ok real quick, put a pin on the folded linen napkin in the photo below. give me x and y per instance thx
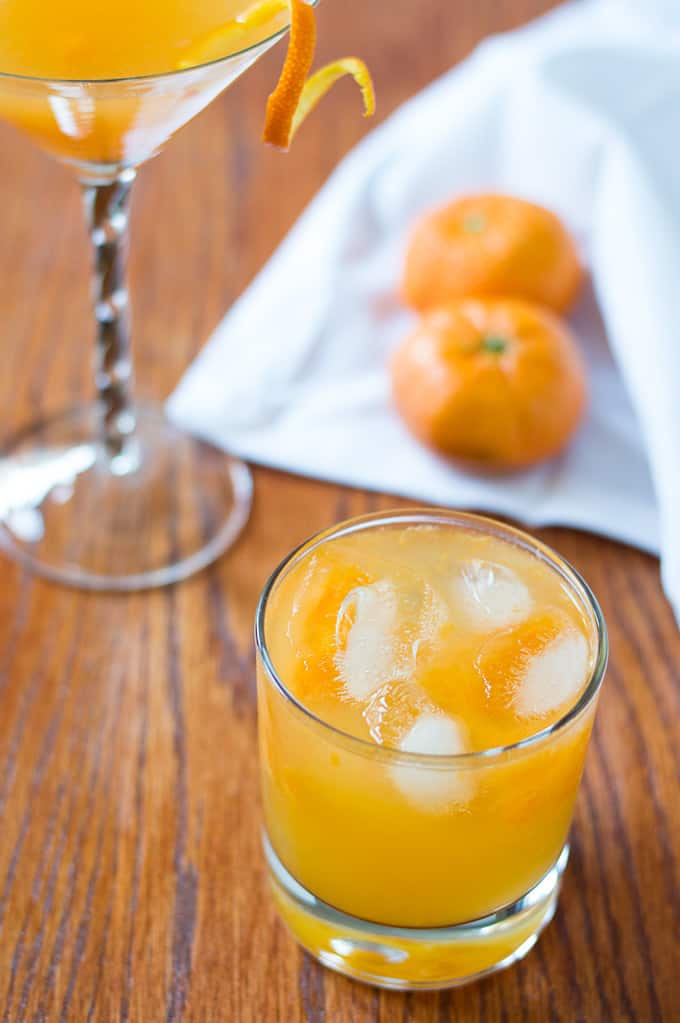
(579, 111)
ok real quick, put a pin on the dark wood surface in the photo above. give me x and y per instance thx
(131, 881)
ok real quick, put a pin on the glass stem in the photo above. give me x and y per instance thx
(107, 208)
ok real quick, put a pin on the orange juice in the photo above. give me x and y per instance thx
(89, 39)
(61, 66)
(426, 696)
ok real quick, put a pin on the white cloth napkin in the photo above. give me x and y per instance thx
(580, 111)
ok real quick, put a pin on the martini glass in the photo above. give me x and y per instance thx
(110, 495)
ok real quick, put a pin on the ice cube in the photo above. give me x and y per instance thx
(434, 734)
(393, 709)
(433, 788)
(368, 650)
(380, 632)
(492, 595)
(554, 677)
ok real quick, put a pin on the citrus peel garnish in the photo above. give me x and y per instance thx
(286, 97)
(237, 33)
(295, 95)
(322, 80)
(261, 13)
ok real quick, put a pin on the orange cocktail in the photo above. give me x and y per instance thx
(86, 50)
(427, 688)
(106, 495)
(90, 39)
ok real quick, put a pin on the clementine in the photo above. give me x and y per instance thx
(498, 383)
(491, 245)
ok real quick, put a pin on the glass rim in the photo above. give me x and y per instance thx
(480, 523)
(154, 75)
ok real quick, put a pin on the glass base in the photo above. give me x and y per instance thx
(412, 959)
(164, 509)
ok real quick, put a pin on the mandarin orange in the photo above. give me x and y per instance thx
(498, 383)
(491, 245)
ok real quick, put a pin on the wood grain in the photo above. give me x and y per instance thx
(131, 881)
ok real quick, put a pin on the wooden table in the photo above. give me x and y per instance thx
(131, 881)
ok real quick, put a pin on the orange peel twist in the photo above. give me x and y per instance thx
(296, 95)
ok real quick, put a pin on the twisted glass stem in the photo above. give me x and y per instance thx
(107, 212)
